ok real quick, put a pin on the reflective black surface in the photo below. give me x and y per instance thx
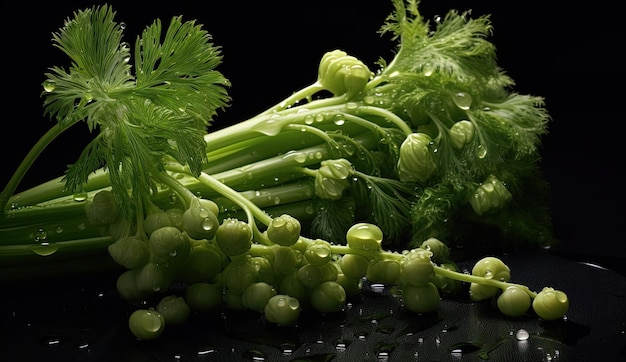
(83, 319)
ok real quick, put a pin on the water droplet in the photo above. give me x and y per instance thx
(522, 335)
(287, 349)
(203, 351)
(341, 344)
(80, 197)
(481, 151)
(208, 224)
(270, 127)
(462, 100)
(49, 85)
(41, 235)
(339, 120)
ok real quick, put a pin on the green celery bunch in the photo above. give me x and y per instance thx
(434, 143)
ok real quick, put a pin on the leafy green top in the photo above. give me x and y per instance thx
(142, 119)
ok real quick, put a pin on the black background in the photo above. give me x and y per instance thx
(570, 55)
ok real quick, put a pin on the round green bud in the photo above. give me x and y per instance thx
(200, 220)
(126, 285)
(364, 236)
(146, 324)
(491, 267)
(490, 196)
(461, 133)
(174, 310)
(421, 299)
(155, 221)
(318, 252)
(328, 297)
(282, 310)
(416, 162)
(291, 285)
(169, 245)
(513, 302)
(354, 266)
(550, 304)
(130, 252)
(440, 251)
(416, 272)
(312, 275)
(103, 209)
(204, 262)
(285, 259)
(234, 237)
(256, 296)
(239, 274)
(284, 230)
(384, 271)
(341, 73)
(331, 178)
(154, 278)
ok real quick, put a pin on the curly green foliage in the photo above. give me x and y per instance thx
(141, 120)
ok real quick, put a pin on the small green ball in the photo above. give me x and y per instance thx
(146, 324)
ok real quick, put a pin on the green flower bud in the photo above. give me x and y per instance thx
(551, 304)
(421, 299)
(416, 272)
(354, 266)
(341, 73)
(234, 237)
(156, 220)
(169, 245)
(146, 324)
(331, 179)
(130, 252)
(513, 302)
(174, 309)
(282, 310)
(461, 133)
(489, 268)
(312, 275)
(416, 162)
(492, 268)
(491, 195)
(284, 230)
(318, 252)
(103, 209)
(384, 271)
(364, 236)
(256, 296)
(200, 219)
(154, 277)
(239, 274)
(328, 297)
(285, 259)
(440, 250)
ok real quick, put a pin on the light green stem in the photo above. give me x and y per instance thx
(480, 280)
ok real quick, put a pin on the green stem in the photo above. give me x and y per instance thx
(480, 280)
(27, 162)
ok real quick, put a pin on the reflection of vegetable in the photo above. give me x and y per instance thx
(361, 162)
